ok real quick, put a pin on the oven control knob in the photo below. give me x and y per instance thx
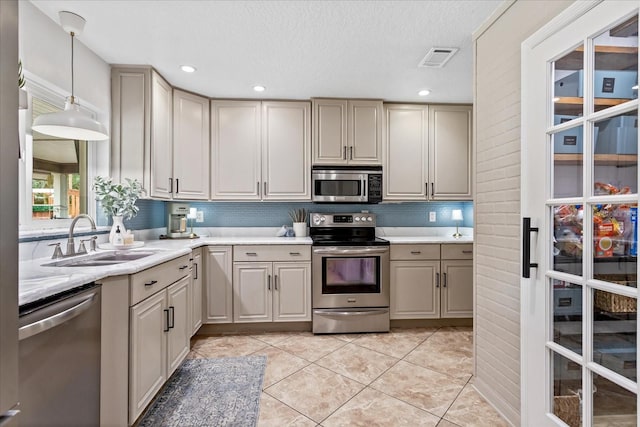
(369, 219)
(317, 219)
(358, 218)
(322, 219)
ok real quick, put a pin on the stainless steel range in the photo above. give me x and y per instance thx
(350, 274)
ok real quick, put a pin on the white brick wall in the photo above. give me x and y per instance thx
(497, 201)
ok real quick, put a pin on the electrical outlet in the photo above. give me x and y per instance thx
(432, 217)
(199, 216)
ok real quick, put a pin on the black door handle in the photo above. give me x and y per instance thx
(527, 265)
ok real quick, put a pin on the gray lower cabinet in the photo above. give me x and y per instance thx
(430, 281)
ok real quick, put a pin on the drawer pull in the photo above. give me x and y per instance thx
(183, 267)
(166, 311)
(416, 252)
(437, 280)
(269, 282)
(294, 253)
(467, 252)
(444, 280)
(151, 283)
(173, 317)
(251, 254)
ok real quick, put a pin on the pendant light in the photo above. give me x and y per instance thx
(71, 123)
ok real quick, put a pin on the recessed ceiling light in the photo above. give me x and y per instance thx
(188, 68)
(259, 88)
(424, 92)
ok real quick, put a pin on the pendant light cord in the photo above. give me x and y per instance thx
(72, 98)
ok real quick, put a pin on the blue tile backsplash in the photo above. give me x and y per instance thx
(268, 214)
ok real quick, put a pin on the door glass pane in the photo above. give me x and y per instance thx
(568, 88)
(345, 275)
(614, 332)
(613, 406)
(615, 78)
(568, 163)
(567, 386)
(567, 315)
(567, 234)
(615, 248)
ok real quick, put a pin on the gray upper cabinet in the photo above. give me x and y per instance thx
(427, 152)
(347, 132)
(130, 124)
(450, 151)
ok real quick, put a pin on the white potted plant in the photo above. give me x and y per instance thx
(118, 201)
(299, 218)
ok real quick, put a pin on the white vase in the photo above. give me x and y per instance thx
(300, 229)
(117, 222)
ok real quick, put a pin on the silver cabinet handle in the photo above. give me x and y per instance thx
(170, 185)
(416, 252)
(195, 276)
(251, 254)
(268, 281)
(444, 280)
(349, 313)
(294, 253)
(437, 280)
(275, 282)
(57, 319)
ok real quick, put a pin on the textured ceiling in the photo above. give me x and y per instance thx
(297, 49)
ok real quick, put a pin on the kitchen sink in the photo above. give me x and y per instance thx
(101, 259)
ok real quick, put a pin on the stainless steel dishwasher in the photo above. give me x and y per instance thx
(59, 364)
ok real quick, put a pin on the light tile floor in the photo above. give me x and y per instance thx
(408, 377)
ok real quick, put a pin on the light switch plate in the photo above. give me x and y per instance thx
(199, 216)
(432, 217)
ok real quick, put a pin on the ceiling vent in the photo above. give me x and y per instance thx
(437, 57)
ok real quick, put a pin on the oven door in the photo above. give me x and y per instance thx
(350, 276)
(339, 187)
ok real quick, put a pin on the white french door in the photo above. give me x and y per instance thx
(579, 207)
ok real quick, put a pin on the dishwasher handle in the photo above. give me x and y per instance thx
(57, 319)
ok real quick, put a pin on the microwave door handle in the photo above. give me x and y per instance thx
(364, 188)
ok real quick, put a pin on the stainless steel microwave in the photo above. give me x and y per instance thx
(347, 184)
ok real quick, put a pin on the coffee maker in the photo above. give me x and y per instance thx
(177, 220)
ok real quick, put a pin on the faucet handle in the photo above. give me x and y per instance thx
(83, 248)
(57, 252)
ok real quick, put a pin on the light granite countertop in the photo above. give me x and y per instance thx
(37, 281)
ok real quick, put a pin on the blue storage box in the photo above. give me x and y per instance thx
(608, 84)
(568, 141)
(618, 135)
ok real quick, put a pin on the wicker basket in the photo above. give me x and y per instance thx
(567, 408)
(614, 303)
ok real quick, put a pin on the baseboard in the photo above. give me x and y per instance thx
(422, 323)
(256, 328)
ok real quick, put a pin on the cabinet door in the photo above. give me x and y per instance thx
(196, 291)
(457, 288)
(235, 150)
(415, 291)
(329, 131)
(179, 335)
(148, 356)
(364, 132)
(450, 151)
(130, 124)
(252, 291)
(190, 146)
(286, 153)
(218, 303)
(161, 138)
(405, 152)
(292, 291)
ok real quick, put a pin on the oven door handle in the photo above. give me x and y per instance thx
(351, 313)
(355, 251)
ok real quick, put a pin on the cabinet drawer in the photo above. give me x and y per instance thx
(149, 281)
(457, 251)
(272, 253)
(409, 252)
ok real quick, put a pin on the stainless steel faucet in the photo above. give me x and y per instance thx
(71, 244)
